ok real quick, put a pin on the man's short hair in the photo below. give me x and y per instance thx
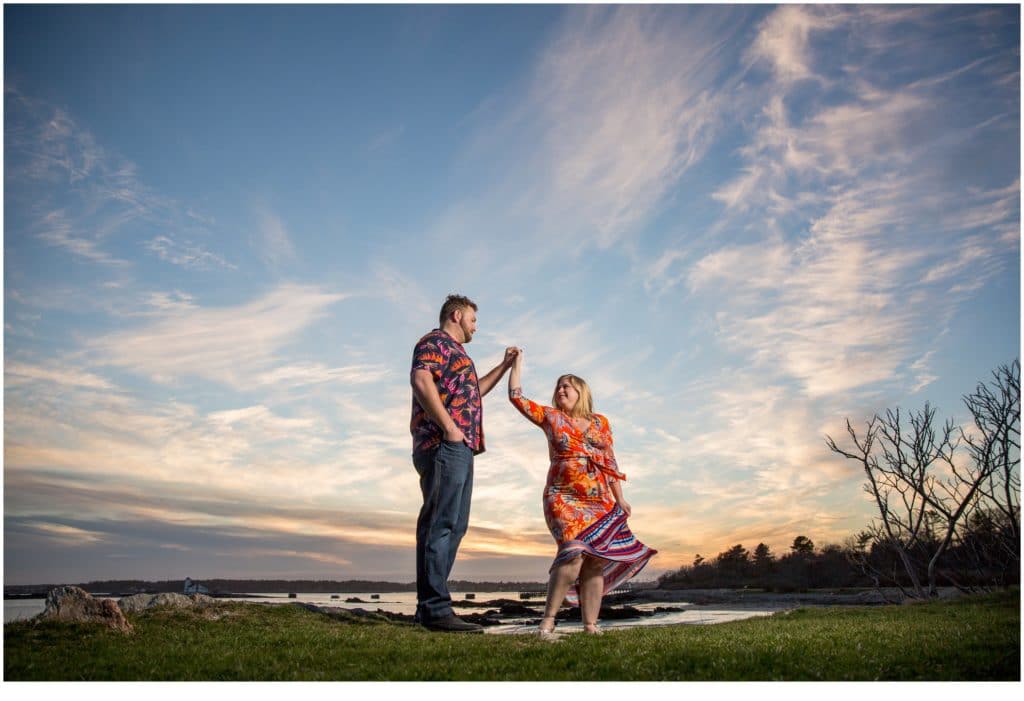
(452, 303)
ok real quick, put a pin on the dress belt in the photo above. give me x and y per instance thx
(593, 460)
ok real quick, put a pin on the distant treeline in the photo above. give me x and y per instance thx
(803, 567)
(266, 586)
(854, 564)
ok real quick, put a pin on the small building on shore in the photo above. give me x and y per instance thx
(194, 587)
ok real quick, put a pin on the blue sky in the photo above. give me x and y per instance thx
(226, 227)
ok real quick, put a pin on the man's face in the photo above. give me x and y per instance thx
(467, 322)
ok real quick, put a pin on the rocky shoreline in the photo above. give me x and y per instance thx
(497, 612)
(759, 597)
(73, 603)
(622, 607)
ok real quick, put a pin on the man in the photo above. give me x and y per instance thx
(447, 432)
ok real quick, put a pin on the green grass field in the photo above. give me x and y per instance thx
(969, 639)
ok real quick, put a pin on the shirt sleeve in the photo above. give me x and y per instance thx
(531, 410)
(428, 356)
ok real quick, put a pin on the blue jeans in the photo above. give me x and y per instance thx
(446, 480)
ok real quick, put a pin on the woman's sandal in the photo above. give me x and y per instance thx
(545, 632)
(592, 629)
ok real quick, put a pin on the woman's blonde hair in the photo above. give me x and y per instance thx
(584, 405)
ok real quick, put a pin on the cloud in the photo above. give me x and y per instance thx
(187, 254)
(846, 239)
(848, 204)
(164, 302)
(273, 242)
(56, 230)
(17, 374)
(51, 158)
(67, 534)
(617, 108)
(192, 528)
(401, 289)
(783, 40)
(252, 454)
(227, 345)
(317, 373)
(623, 112)
(923, 375)
(826, 311)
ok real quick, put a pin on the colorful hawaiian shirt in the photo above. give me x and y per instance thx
(456, 381)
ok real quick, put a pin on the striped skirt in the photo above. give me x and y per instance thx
(609, 539)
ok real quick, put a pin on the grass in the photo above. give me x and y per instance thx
(970, 639)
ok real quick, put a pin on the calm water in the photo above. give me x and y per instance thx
(405, 602)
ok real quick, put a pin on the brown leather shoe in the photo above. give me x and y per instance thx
(453, 624)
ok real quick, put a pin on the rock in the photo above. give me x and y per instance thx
(140, 602)
(135, 602)
(75, 605)
(610, 613)
(181, 600)
(356, 615)
(516, 609)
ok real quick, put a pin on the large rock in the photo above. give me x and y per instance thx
(141, 602)
(75, 605)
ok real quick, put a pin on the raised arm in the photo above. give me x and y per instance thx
(515, 377)
(531, 410)
(488, 381)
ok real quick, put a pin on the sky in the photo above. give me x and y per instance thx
(226, 227)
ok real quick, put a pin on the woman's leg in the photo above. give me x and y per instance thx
(591, 591)
(559, 582)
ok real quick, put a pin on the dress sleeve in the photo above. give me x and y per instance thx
(605, 455)
(532, 410)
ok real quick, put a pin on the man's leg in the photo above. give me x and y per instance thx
(424, 463)
(465, 497)
(443, 483)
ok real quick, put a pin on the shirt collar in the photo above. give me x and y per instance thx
(445, 333)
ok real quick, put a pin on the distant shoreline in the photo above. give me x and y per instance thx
(649, 594)
(243, 587)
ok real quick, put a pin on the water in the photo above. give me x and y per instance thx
(405, 603)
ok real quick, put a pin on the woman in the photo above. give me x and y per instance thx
(583, 503)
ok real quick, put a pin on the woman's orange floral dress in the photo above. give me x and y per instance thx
(579, 507)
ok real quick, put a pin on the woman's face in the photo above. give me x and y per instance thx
(566, 395)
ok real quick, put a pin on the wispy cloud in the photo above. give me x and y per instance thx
(19, 373)
(623, 113)
(617, 108)
(67, 534)
(833, 308)
(100, 193)
(273, 242)
(836, 260)
(316, 373)
(55, 230)
(229, 345)
(783, 40)
(827, 311)
(186, 254)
